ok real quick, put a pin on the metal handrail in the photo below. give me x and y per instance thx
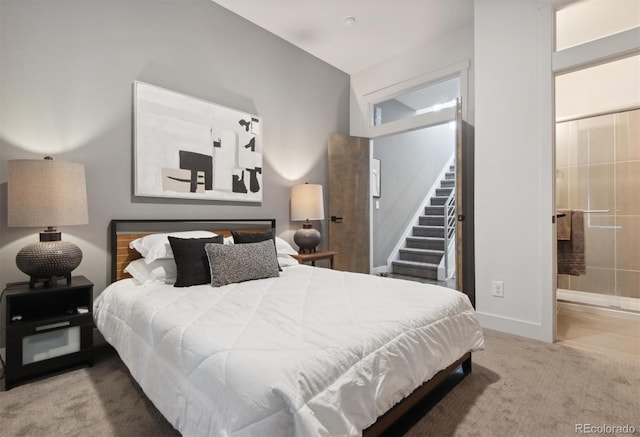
(449, 227)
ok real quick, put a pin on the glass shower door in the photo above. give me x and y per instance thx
(598, 171)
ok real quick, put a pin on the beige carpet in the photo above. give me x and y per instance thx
(518, 387)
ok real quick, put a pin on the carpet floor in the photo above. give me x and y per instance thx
(518, 387)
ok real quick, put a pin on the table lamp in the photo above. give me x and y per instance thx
(307, 204)
(47, 193)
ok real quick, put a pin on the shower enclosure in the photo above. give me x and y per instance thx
(598, 171)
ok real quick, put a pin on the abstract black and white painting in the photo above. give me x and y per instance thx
(193, 149)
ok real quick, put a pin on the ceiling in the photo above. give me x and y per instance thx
(383, 28)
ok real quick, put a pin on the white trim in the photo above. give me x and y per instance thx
(599, 51)
(394, 255)
(416, 122)
(546, 129)
(379, 269)
(522, 328)
(423, 80)
(371, 206)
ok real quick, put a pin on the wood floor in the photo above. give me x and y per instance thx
(598, 332)
(583, 330)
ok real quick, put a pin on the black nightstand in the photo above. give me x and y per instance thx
(47, 328)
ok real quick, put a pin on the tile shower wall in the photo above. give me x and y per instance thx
(598, 168)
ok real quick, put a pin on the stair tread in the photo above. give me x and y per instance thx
(413, 237)
(422, 251)
(438, 220)
(401, 262)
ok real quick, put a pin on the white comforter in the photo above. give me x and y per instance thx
(314, 352)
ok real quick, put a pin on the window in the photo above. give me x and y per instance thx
(431, 98)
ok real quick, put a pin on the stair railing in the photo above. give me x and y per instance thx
(449, 227)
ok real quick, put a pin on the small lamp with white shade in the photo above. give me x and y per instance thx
(307, 203)
(47, 193)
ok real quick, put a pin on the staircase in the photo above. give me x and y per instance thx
(425, 248)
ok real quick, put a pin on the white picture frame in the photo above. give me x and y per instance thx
(189, 148)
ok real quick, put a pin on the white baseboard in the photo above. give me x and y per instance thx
(511, 326)
(380, 269)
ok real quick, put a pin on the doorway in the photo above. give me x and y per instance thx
(408, 214)
(405, 110)
(597, 163)
(597, 158)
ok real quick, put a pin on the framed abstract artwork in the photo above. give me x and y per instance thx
(188, 148)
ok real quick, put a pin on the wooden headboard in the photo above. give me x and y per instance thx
(123, 232)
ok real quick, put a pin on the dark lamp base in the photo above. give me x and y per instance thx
(48, 261)
(307, 239)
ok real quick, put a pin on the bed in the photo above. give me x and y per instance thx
(306, 352)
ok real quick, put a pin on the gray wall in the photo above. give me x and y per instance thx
(409, 165)
(66, 75)
(393, 110)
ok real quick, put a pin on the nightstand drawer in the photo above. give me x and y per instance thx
(22, 329)
(48, 345)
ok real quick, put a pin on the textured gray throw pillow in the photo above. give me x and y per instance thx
(241, 262)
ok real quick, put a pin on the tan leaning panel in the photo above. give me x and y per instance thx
(124, 254)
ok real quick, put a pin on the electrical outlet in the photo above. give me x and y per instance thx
(497, 288)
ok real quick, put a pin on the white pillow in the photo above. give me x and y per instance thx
(156, 246)
(284, 248)
(162, 270)
(285, 260)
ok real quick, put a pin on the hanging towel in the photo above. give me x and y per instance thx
(563, 224)
(571, 252)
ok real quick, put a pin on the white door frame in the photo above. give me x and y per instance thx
(459, 69)
(551, 64)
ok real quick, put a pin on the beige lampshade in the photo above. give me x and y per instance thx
(46, 192)
(307, 202)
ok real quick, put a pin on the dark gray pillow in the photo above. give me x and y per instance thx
(192, 264)
(229, 264)
(255, 237)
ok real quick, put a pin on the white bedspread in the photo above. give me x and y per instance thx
(314, 352)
